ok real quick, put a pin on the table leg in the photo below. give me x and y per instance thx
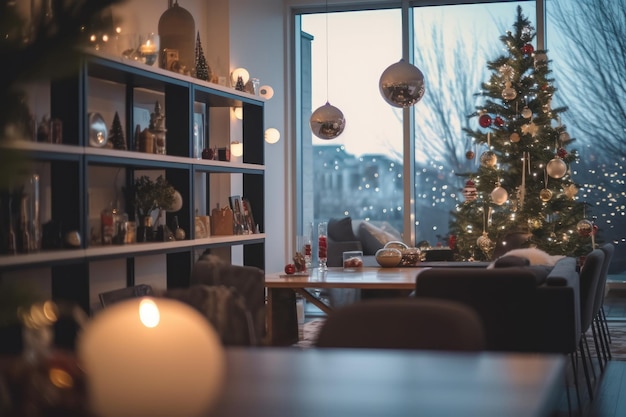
(313, 299)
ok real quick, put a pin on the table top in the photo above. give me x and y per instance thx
(364, 278)
(287, 382)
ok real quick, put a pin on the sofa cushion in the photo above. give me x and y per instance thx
(340, 230)
(373, 238)
(510, 260)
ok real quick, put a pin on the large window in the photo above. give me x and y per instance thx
(361, 173)
(358, 174)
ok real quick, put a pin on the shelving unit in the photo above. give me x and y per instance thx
(72, 170)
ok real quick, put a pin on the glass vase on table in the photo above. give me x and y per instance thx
(322, 245)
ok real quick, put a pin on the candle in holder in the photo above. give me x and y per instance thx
(149, 48)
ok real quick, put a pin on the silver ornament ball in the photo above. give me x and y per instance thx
(327, 122)
(402, 84)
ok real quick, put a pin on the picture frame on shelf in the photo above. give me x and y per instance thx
(247, 215)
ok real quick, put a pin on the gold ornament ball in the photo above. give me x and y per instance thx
(488, 159)
(484, 243)
(545, 195)
(514, 137)
(584, 228)
(534, 224)
(527, 113)
(509, 93)
(556, 168)
(499, 195)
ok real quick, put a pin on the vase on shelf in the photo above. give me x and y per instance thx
(145, 231)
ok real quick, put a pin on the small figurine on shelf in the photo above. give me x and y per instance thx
(179, 232)
(239, 86)
(157, 128)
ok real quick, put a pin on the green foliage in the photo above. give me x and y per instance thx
(551, 223)
(151, 195)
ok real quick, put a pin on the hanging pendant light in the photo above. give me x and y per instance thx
(402, 84)
(327, 122)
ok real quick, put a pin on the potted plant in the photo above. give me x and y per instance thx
(148, 196)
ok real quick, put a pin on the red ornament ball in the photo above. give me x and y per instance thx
(290, 269)
(470, 155)
(528, 49)
(561, 153)
(484, 120)
(498, 121)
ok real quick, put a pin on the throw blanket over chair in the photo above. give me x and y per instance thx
(403, 324)
(247, 281)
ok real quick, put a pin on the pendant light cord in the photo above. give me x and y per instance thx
(327, 53)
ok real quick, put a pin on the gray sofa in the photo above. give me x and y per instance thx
(345, 234)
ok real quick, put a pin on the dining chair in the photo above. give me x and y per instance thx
(599, 319)
(403, 323)
(590, 275)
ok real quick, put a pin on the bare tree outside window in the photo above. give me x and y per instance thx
(586, 41)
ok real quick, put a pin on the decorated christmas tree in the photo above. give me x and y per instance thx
(203, 71)
(523, 192)
(116, 136)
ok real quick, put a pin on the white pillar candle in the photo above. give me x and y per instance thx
(151, 357)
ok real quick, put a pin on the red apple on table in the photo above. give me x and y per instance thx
(290, 269)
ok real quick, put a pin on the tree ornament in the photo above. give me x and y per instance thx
(545, 195)
(564, 137)
(484, 120)
(507, 71)
(509, 92)
(514, 137)
(203, 71)
(528, 49)
(470, 154)
(488, 159)
(469, 191)
(570, 191)
(499, 195)
(584, 228)
(485, 244)
(498, 121)
(527, 112)
(561, 152)
(556, 168)
(534, 223)
(530, 129)
(116, 135)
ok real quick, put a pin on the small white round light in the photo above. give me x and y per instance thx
(236, 148)
(239, 72)
(272, 135)
(266, 92)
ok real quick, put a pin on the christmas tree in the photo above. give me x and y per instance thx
(116, 136)
(203, 71)
(522, 192)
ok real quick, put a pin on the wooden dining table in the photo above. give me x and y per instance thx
(288, 382)
(368, 278)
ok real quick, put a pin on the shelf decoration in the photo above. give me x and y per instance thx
(148, 196)
(203, 70)
(116, 134)
(157, 128)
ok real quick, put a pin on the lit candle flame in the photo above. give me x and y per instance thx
(149, 313)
